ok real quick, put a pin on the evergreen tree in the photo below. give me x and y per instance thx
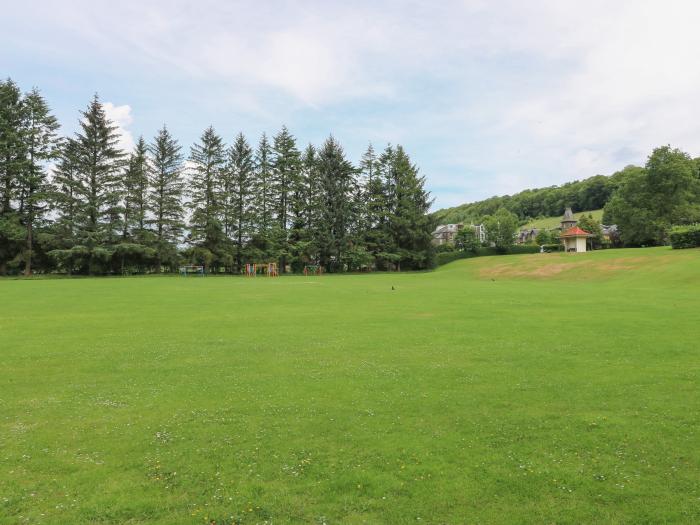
(164, 199)
(302, 208)
(368, 174)
(262, 184)
(207, 159)
(99, 162)
(135, 194)
(381, 203)
(285, 171)
(409, 223)
(12, 163)
(13, 144)
(41, 142)
(239, 196)
(337, 185)
(64, 194)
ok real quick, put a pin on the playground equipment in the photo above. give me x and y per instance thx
(269, 269)
(313, 269)
(191, 268)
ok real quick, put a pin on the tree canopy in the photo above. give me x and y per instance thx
(82, 205)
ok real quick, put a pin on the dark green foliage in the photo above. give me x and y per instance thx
(589, 194)
(405, 225)
(466, 240)
(664, 193)
(41, 144)
(685, 236)
(263, 202)
(337, 185)
(286, 168)
(134, 192)
(592, 226)
(164, 197)
(501, 228)
(449, 256)
(238, 197)
(547, 237)
(207, 159)
(99, 162)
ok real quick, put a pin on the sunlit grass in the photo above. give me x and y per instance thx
(494, 390)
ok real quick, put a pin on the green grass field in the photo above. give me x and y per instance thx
(547, 388)
(548, 223)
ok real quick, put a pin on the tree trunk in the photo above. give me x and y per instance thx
(28, 260)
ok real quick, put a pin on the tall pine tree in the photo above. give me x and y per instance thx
(134, 191)
(12, 163)
(409, 222)
(99, 162)
(165, 196)
(207, 160)
(239, 196)
(337, 186)
(64, 195)
(41, 141)
(285, 171)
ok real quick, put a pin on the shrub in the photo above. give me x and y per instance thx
(447, 257)
(552, 247)
(524, 248)
(685, 236)
(445, 247)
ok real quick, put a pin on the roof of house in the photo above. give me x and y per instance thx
(447, 228)
(575, 232)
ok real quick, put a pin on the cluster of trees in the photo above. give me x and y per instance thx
(666, 192)
(82, 205)
(589, 194)
(644, 203)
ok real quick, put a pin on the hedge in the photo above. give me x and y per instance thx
(447, 257)
(685, 236)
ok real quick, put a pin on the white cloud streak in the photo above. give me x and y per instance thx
(490, 97)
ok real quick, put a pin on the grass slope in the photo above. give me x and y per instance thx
(553, 222)
(538, 388)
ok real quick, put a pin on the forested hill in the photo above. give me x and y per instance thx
(588, 194)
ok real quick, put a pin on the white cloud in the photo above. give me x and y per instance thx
(122, 118)
(489, 97)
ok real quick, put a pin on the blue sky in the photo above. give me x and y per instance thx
(488, 97)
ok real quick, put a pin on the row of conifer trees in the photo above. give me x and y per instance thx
(80, 204)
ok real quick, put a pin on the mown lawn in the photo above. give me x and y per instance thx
(546, 388)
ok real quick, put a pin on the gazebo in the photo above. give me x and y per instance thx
(574, 239)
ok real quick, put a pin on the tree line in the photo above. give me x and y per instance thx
(644, 202)
(80, 204)
(588, 194)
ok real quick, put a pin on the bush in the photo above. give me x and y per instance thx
(685, 236)
(524, 248)
(445, 247)
(552, 247)
(447, 257)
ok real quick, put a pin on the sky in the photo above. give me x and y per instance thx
(488, 97)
